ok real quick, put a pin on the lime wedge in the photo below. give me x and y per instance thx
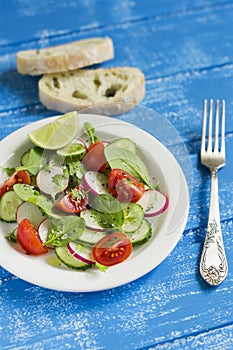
(57, 134)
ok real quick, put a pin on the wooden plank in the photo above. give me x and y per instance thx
(218, 339)
(180, 97)
(163, 61)
(83, 16)
(171, 307)
(170, 302)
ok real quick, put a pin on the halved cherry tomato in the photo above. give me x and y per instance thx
(20, 176)
(112, 249)
(95, 160)
(73, 202)
(124, 186)
(29, 239)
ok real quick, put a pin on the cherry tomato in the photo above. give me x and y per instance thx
(95, 160)
(29, 239)
(73, 202)
(112, 249)
(124, 186)
(20, 176)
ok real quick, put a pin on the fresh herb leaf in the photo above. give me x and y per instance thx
(58, 179)
(89, 130)
(76, 168)
(35, 161)
(9, 171)
(101, 267)
(11, 237)
(78, 193)
(66, 172)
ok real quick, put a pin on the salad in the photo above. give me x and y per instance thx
(90, 201)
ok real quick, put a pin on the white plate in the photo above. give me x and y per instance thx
(162, 166)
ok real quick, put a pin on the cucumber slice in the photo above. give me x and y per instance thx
(75, 149)
(69, 260)
(142, 235)
(8, 206)
(25, 158)
(30, 154)
(133, 216)
(124, 143)
(32, 160)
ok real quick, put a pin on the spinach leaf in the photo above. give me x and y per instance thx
(124, 159)
(108, 211)
(66, 229)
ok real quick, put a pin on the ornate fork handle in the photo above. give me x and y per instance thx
(213, 265)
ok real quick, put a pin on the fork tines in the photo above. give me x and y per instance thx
(215, 120)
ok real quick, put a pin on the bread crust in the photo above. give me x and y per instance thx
(110, 91)
(66, 57)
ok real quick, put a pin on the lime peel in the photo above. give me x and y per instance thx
(57, 134)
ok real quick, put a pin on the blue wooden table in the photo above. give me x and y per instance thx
(185, 50)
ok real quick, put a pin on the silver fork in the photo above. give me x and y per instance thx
(213, 265)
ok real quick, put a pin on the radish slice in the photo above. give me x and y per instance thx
(43, 229)
(45, 180)
(91, 237)
(90, 221)
(31, 212)
(153, 203)
(96, 182)
(80, 252)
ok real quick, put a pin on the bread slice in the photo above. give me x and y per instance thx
(65, 57)
(108, 91)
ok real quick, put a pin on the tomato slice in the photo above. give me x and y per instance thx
(112, 249)
(20, 176)
(29, 239)
(95, 160)
(124, 186)
(73, 202)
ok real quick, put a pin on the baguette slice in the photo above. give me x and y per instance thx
(65, 57)
(108, 91)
